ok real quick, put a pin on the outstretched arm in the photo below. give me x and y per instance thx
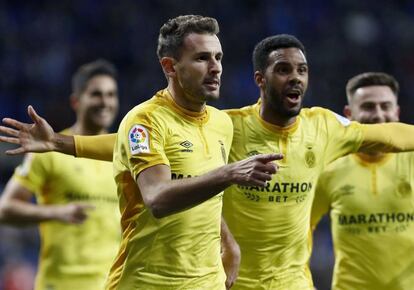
(40, 137)
(36, 137)
(387, 137)
(17, 209)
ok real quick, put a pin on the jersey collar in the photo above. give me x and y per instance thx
(367, 162)
(198, 117)
(274, 128)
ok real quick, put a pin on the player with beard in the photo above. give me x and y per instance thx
(170, 165)
(270, 222)
(370, 199)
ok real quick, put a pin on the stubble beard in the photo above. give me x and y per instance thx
(275, 99)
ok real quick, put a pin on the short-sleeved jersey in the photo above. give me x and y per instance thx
(272, 223)
(74, 256)
(182, 250)
(372, 218)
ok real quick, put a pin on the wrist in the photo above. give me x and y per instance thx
(56, 142)
(53, 213)
(225, 175)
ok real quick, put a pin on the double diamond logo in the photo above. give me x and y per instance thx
(187, 145)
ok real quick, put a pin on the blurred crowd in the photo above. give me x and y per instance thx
(43, 42)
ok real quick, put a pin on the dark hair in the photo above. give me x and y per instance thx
(173, 32)
(371, 79)
(266, 46)
(87, 71)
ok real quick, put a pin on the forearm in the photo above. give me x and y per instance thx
(230, 255)
(99, 147)
(165, 196)
(171, 196)
(22, 213)
(228, 243)
(387, 137)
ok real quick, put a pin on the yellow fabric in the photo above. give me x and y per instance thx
(74, 256)
(372, 218)
(180, 251)
(271, 224)
(99, 147)
(388, 137)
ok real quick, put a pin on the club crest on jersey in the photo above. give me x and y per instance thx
(310, 159)
(138, 140)
(404, 188)
(344, 121)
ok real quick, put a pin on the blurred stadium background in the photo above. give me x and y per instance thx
(43, 42)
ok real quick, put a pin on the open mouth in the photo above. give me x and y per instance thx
(293, 98)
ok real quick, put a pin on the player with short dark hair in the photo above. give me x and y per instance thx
(272, 223)
(77, 209)
(170, 165)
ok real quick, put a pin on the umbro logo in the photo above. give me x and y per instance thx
(187, 145)
(253, 153)
(346, 190)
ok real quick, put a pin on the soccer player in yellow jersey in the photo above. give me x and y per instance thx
(370, 199)
(77, 206)
(271, 221)
(170, 165)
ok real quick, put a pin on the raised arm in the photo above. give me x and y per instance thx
(17, 209)
(36, 137)
(387, 137)
(164, 196)
(40, 137)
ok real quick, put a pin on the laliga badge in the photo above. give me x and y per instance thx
(404, 188)
(138, 140)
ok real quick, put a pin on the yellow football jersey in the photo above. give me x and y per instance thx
(182, 250)
(74, 256)
(371, 206)
(272, 223)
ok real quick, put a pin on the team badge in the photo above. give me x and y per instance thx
(138, 140)
(344, 121)
(404, 188)
(310, 158)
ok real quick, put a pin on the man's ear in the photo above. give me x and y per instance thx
(167, 64)
(259, 79)
(347, 112)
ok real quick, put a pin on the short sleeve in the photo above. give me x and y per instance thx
(141, 141)
(34, 171)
